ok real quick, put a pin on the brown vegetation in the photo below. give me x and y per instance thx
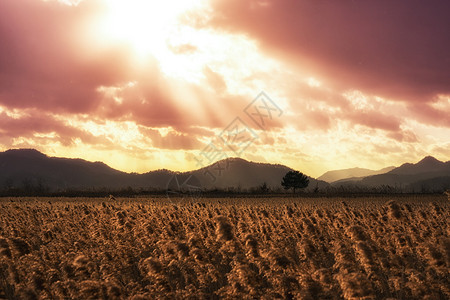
(372, 248)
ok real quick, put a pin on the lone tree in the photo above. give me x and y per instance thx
(294, 180)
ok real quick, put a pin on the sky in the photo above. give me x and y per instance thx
(178, 84)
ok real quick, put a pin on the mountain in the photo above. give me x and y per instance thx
(237, 172)
(29, 168)
(351, 174)
(426, 165)
(429, 175)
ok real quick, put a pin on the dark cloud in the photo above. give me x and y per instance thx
(427, 114)
(395, 49)
(45, 60)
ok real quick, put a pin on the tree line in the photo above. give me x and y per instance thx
(293, 181)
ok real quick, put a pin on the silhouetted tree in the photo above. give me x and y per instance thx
(294, 180)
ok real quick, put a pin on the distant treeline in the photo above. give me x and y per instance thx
(262, 190)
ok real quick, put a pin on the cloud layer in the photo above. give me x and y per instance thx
(398, 50)
(354, 80)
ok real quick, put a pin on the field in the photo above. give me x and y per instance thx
(323, 248)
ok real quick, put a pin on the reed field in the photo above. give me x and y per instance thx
(244, 248)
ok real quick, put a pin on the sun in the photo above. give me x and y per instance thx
(145, 25)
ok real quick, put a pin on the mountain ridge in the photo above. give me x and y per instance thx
(19, 167)
(427, 175)
(28, 167)
(345, 174)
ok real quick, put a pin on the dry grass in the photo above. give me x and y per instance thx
(373, 248)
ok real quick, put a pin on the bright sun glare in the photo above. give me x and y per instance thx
(145, 25)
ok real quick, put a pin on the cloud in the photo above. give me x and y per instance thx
(183, 49)
(44, 62)
(352, 78)
(394, 49)
(403, 136)
(427, 114)
(32, 124)
(48, 61)
(215, 80)
(172, 140)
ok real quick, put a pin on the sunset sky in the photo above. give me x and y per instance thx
(143, 85)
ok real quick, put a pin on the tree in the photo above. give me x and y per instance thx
(294, 180)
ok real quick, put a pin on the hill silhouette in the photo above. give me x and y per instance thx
(30, 168)
(428, 164)
(351, 174)
(427, 175)
(240, 173)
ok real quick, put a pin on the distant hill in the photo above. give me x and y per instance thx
(428, 164)
(428, 175)
(28, 167)
(237, 172)
(351, 174)
(22, 167)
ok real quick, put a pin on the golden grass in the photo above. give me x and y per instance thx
(362, 248)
